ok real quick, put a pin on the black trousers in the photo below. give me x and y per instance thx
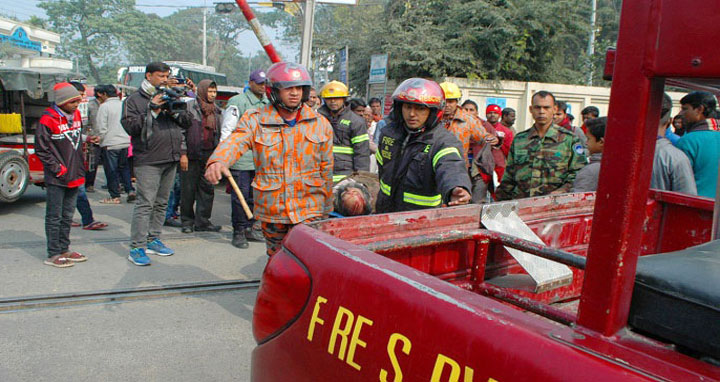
(244, 179)
(196, 195)
(59, 209)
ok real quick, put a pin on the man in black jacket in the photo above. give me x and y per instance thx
(351, 143)
(420, 165)
(157, 139)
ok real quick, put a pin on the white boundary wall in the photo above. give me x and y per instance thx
(518, 96)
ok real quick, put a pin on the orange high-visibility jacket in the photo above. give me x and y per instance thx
(293, 165)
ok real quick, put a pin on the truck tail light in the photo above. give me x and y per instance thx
(283, 294)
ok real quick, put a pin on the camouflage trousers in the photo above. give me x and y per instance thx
(274, 234)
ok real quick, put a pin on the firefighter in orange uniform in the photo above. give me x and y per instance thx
(292, 151)
(464, 126)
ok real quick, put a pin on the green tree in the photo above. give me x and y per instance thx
(525, 40)
(529, 40)
(359, 27)
(178, 37)
(89, 29)
(148, 37)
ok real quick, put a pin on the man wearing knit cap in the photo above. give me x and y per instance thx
(58, 145)
(504, 134)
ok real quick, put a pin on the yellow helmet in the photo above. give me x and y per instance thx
(451, 90)
(334, 89)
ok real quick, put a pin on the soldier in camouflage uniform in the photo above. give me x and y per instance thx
(543, 159)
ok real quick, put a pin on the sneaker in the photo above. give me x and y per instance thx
(137, 256)
(156, 247)
(90, 189)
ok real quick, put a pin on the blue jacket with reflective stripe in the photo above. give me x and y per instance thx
(418, 171)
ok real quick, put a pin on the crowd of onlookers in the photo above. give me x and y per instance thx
(157, 154)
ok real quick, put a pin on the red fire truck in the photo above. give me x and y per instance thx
(622, 284)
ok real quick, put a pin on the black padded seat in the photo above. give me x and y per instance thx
(677, 297)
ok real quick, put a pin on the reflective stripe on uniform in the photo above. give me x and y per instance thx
(360, 138)
(343, 150)
(420, 200)
(384, 188)
(379, 157)
(443, 152)
(337, 178)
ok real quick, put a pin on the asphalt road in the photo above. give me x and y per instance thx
(198, 337)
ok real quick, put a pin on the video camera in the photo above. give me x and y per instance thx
(173, 99)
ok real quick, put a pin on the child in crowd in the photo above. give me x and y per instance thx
(58, 145)
(587, 178)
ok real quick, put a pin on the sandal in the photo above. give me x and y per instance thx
(58, 261)
(75, 224)
(110, 201)
(74, 257)
(96, 225)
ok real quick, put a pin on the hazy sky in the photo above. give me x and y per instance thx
(247, 43)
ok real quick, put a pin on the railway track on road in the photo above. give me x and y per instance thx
(114, 296)
(121, 239)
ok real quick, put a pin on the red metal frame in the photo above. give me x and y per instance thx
(650, 47)
(259, 31)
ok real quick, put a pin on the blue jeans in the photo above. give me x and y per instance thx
(117, 168)
(244, 179)
(174, 199)
(83, 206)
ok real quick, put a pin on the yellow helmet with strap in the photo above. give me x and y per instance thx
(334, 89)
(451, 90)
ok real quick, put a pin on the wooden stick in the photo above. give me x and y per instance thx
(241, 197)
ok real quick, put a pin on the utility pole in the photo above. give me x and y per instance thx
(308, 21)
(591, 43)
(204, 58)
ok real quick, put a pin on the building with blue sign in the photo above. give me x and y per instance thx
(34, 47)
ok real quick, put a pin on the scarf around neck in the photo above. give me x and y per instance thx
(207, 107)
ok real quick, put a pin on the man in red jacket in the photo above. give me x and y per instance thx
(58, 144)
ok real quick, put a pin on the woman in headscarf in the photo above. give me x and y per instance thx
(201, 139)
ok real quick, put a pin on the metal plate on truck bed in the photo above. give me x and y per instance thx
(545, 274)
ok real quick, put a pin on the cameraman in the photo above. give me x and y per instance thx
(157, 139)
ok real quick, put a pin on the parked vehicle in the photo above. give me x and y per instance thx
(133, 75)
(24, 94)
(465, 294)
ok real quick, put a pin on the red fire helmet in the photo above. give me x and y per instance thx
(286, 75)
(420, 91)
(283, 75)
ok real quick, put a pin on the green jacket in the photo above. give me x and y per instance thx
(236, 107)
(538, 166)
